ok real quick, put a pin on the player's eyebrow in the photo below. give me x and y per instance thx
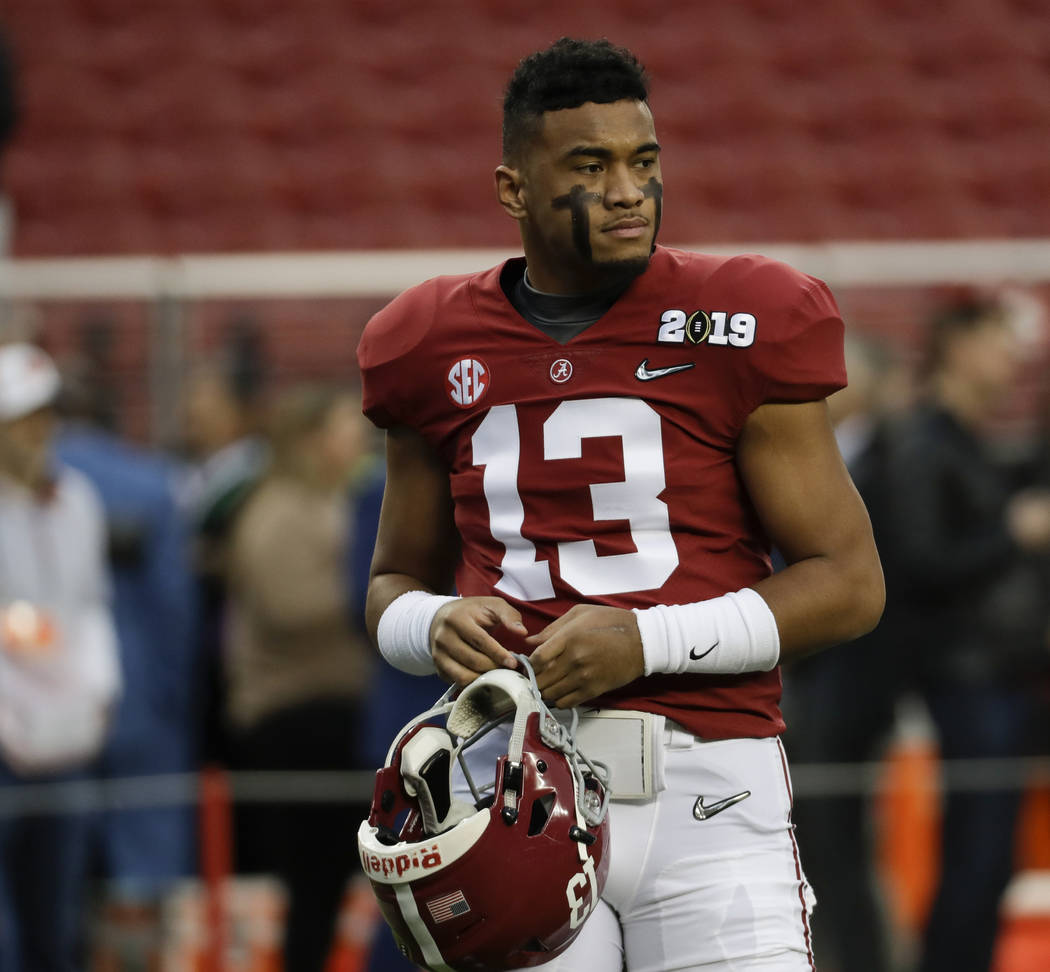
(599, 152)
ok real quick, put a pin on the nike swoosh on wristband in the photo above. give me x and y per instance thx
(702, 812)
(644, 373)
(695, 657)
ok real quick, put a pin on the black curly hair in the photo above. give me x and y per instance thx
(566, 75)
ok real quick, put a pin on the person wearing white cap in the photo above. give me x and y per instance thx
(59, 668)
(29, 380)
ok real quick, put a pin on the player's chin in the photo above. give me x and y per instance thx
(622, 267)
(610, 249)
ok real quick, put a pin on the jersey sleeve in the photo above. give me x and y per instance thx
(802, 358)
(385, 354)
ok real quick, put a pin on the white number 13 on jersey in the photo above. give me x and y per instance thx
(636, 498)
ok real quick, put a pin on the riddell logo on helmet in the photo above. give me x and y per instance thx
(388, 865)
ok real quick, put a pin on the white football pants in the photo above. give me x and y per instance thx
(722, 893)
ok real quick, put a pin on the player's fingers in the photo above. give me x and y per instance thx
(550, 664)
(544, 657)
(483, 643)
(464, 628)
(490, 612)
(578, 697)
(471, 646)
(455, 673)
(547, 633)
(557, 626)
(465, 648)
(564, 693)
(500, 612)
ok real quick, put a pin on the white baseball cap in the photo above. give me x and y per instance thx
(28, 380)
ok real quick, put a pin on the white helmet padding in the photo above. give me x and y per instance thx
(488, 699)
(427, 760)
(492, 698)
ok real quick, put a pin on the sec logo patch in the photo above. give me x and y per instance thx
(467, 382)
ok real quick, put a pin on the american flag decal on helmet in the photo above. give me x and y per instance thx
(448, 906)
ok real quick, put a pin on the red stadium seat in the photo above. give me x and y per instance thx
(377, 124)
(64, 101)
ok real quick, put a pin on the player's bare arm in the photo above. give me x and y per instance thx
(832, 590)
(416, 550)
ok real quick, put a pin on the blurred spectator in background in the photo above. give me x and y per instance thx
(226, 455)
(967, 590)
(223, 401)
(840, 704)
(1032, 467)
(298, 669)
(59, 670)
(140, 852)
(1035, 472)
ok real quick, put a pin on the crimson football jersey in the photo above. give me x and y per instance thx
(603, 470)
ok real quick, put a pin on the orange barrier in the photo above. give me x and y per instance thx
(1024, 938)
(357, 925)
(1024, 945)
(909, 819)
(253, 922)
(216, 838)
(1033, 831)
(225, 923)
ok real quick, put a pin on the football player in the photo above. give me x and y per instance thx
(596, 445)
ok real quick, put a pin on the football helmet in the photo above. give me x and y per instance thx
(504, 881)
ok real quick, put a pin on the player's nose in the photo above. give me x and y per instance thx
(622, 188)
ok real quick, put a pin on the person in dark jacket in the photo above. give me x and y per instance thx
(963, 547)
(840, 705)
(964, 627)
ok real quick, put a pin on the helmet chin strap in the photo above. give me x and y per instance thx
(558, 736)
(418, 927)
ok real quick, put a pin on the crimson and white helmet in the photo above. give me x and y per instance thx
(505, 881)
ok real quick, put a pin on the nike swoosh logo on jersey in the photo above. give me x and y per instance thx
(702, 812)
(643, 372)
(703, 654)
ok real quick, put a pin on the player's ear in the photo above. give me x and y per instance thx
(510, 191)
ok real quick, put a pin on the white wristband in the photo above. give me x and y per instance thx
(403, 632)
(726, 635)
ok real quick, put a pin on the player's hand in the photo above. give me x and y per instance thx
(587, 651)
(460, 643)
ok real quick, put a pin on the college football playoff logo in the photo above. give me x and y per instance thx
(714, 328)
